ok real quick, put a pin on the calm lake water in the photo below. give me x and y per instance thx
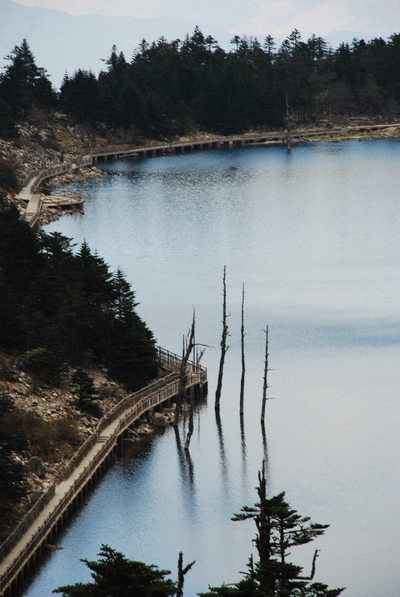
(314, 237)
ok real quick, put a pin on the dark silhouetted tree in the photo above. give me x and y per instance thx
(24, 85)
(116, 576)
(279, 528)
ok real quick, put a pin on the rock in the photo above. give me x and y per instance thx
(132, 434)
(36, 466)
(159, 420)
(34, 496)
(35, 483)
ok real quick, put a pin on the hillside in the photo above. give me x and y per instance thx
(51, 422)
(61, 311)
(48, 414)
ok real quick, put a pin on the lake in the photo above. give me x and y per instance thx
(313, 235)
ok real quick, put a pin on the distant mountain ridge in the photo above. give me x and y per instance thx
(62, 42)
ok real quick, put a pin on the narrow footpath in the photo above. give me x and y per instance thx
(19, 551)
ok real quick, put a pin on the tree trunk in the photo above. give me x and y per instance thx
(186, 350)
(243, 360)
(265, 384)
(190, 428)
(181, 574)
(223, 345)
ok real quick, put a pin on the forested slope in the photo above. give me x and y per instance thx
(172, 88)
(62, 314)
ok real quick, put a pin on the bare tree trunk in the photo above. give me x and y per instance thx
(243, 361)
(312, 567)
(223, 345)
(190, 428)
(288, 138)
(187, 349)
(181, 574)
(265, 446)
(265, 384)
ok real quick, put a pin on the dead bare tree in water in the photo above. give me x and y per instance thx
(187, 348)
(191, 409)
(181, 574)
(265, 383)
(243, 360)
(224, 347)
(191, 424)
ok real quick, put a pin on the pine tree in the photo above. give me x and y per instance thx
(116, 576)
(279, 528)
(13, 481)
(133, 355)
(23, 84)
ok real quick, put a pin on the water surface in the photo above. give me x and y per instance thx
(314, 236)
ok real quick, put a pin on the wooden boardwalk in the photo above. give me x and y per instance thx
(18, 553)
(94, 155)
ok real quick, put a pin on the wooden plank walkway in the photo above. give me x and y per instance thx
(33, 531)
(93, 155)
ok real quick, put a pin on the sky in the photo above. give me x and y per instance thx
(65, 35)
(327, 18)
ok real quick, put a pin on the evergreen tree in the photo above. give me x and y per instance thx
(79, 95)
(61, 307)
(133, 355)
(24, 85)
(8, 129)
(85, 388)
(116, 576)
(13, 482)
(20, 260)
(279, 528)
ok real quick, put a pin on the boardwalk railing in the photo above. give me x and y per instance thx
(125, 412)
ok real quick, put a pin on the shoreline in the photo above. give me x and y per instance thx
(26, 159)
(295, 138)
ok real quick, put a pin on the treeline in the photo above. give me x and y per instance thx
(170, 88)
(62, 307)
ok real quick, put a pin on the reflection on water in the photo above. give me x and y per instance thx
(314, 236)
(185, 463)
(222, 453)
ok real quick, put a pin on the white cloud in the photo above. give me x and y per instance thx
(133, 8)
(324, 18)
(328, 18)
(268, 14)
(359, 18)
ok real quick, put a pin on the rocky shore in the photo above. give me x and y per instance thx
(43, 143)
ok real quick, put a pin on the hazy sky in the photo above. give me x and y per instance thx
(334, 19)
(65, 35)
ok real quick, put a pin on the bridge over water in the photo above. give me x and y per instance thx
(19, 552)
